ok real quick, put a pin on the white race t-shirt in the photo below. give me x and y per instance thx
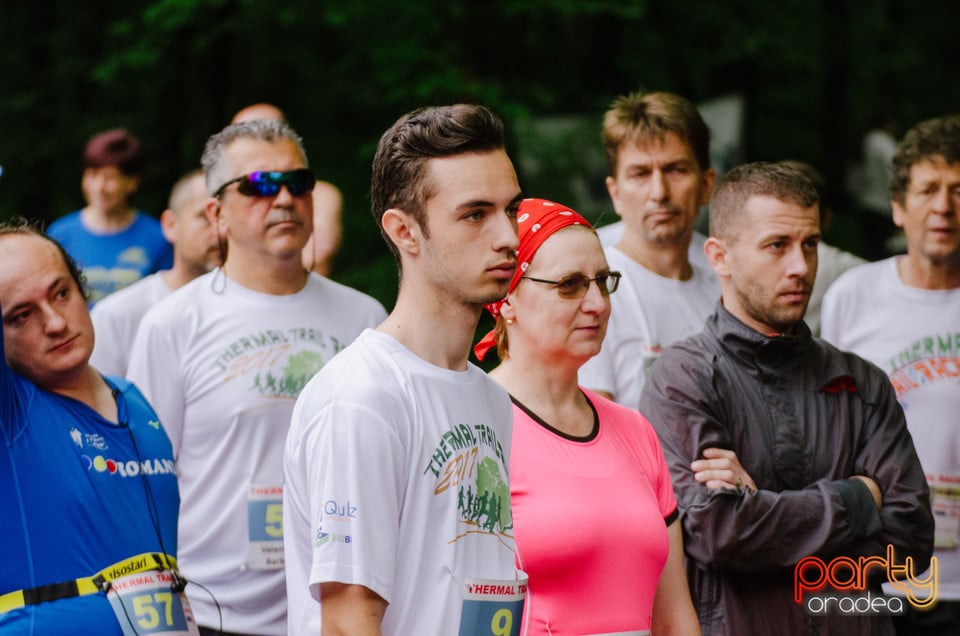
(115, 322)
(914, 335)
(396, 479)
(611, 234)
(648, 312)
(223, 365)
(831, 263)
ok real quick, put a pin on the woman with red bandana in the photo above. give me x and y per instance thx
(594, 513)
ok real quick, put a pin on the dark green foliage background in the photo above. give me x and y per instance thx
(174, 71)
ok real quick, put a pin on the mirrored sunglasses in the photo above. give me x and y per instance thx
(267, 183)
(576, 285)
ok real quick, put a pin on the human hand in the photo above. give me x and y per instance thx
(874, 489)
(720, 469)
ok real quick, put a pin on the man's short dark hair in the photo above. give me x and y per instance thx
(399, 165)
(778, 180)
(928, 139)
(640, 116)
(117, 148)
(19, 226)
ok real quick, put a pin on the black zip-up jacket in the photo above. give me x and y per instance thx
(803, 418)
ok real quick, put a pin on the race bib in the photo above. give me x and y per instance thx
(945, 502)
(492, 607)
(146, 605)
(265, 527)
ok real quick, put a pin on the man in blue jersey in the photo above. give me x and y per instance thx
(88, 490)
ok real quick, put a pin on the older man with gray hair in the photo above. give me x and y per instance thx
(223, 360)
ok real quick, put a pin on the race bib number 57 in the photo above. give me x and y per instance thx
(492, 607)
(147, 604)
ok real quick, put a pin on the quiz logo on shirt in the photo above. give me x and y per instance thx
(342, 511)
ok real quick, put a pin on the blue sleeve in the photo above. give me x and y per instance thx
(11, 411)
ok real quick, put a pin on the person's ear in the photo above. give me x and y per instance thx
(899, 214)
(212, 209)
(716, 252)
(709, 180)
(403, 230)
(168, 225)
(133, 184)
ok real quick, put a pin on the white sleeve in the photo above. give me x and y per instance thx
(155, 368)
(830, 316)
(355, 467)
(111, 345)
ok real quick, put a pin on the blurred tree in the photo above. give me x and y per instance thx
(174, 71)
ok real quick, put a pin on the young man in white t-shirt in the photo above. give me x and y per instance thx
(223, 360)
(658, 152)
(396, 497)
(195, 252)
(903, 314)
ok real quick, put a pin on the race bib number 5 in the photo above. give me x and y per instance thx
(492, 607)
(265, 527)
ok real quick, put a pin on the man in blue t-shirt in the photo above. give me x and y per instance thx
(88, 486)
(114, 244)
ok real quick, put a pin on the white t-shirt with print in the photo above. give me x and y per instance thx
(115, 322)
(611, 234)
(223, 366)
(648, 313)
(913, 334)
(396, 479)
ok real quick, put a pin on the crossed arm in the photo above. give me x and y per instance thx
(720, 469)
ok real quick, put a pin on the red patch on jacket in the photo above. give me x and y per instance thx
(840, 384)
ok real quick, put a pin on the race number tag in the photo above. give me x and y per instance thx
(492, 607)
(146, 605)
(945, 502)
(265, 523)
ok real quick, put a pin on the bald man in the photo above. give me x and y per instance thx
(88, 486)
(195, 252)
(260, 110)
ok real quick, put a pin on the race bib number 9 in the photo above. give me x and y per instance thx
(145, 604)
(265, 527)
(492, 607)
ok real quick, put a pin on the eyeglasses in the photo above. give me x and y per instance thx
(576, 285)
(267, 183)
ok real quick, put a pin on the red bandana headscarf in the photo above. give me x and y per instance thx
(537, 220)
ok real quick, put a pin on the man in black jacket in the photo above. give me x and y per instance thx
(782, 447)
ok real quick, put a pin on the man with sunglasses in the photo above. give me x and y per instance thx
(396, 497)
(658, 153)
(324, 242)
(224, 358)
